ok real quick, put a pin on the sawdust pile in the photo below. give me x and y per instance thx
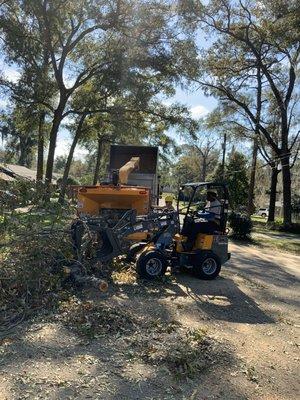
(92, 319)
(183, 351)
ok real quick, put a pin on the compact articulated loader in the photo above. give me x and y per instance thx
(118, 219)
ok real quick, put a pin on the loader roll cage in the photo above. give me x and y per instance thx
(194, 187)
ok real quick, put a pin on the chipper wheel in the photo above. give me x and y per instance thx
(206, 266)
(151, 265)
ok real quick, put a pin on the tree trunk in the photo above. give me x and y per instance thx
(40, 155)
(286, 190)
(286, 170)
(98, 161)
(23, 152)
(57, 118)
(224, 155)
(251, 206)
(204, 169)
(273, 191)
(69, 160)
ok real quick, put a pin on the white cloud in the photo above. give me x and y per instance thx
(69, 80)
(69, 119)
(3, 103)
(199, 111)
(12, 74)
(63, 147)
(167, 102)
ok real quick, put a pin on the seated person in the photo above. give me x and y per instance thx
(207, 221)
(169, 203)
(213, 208)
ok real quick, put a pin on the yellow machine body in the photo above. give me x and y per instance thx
(93, 199)
(203, 242)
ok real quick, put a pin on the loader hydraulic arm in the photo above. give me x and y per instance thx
(112, 243)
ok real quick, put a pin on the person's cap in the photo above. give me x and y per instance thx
(169, 199)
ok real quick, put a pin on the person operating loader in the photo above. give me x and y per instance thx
(206, 221)
(213, 207)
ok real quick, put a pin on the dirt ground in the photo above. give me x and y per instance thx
(233, 338)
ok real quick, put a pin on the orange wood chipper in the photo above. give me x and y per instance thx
(132, 184)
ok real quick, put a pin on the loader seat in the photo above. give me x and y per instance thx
(191, 229)
(187, 226)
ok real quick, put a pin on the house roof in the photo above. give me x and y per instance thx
(18, 170)
(15, 171)
(5, 177)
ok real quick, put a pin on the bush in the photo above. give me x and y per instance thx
(24, 191)
(241, 225)
(278, 226)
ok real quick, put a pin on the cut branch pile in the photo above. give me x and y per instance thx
(31, 272)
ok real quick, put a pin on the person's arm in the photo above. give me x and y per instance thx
(206, 213)
(216, 209)
(207, 206)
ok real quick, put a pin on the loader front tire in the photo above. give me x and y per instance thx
(151, 265)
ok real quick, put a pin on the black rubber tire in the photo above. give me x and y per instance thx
(143, 267)
(135, 248)
(200, 267)
(264, 215)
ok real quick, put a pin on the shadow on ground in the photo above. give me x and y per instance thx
(223, 300)
(50, 361)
